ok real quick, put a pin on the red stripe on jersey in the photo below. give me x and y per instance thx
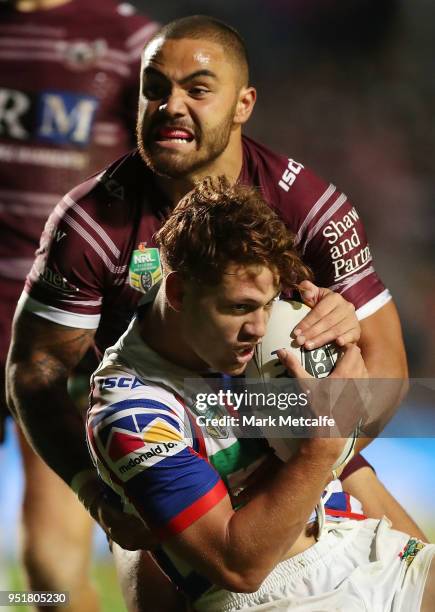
(345, 514)
(193, 512)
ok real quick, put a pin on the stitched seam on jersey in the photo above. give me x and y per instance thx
(315, 209)
(324, 218)
(99, 251)
(95, 226)
(350, 282)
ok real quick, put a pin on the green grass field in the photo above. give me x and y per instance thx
(104, 578)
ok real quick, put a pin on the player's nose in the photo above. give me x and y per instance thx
(174, 104)
(255, 326)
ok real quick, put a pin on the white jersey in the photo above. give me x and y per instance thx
(153, 451)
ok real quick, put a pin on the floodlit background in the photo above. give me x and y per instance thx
(346, 88)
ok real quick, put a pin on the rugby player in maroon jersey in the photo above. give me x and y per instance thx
(68, 99)
(97, 255)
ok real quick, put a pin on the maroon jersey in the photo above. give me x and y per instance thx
(68, 98)
(98, 255)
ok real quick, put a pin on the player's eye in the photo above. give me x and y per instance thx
(240, 308)
(156, 90)
(198, 91)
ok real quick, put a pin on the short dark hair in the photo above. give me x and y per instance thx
(210, 28)
(217, 224)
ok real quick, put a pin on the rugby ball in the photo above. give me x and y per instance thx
(319, 362)
(284, 318)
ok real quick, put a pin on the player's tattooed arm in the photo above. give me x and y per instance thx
(41, 357)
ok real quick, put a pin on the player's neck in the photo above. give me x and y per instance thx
(229, 164)
(160, 330)
(28, 6)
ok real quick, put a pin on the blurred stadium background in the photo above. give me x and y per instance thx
(345, 88)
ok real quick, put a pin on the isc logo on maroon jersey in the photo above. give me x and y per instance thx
(290, 174)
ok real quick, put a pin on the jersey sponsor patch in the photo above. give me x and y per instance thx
(348, 255)
(59, 117)
(145, 268)
(137, 441)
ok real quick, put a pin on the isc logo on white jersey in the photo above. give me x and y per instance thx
(290, 174)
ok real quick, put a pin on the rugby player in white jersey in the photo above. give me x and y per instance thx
(226, 256)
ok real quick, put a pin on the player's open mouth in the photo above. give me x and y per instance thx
(245, 353)
(173, 136)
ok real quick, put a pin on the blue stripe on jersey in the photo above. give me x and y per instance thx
(171, 485)
(337, 501)
(125, 422)
(144, 419)
(125, 404)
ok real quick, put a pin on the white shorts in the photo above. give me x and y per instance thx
(356, 566)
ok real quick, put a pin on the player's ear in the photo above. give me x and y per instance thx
(174, 289)
(245, 104)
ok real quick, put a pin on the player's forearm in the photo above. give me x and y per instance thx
(263, 531)
(41, 356)
(385, 358)
(382, 344)
(48, 417)
(243, 549)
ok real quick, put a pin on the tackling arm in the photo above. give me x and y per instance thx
(382, 345)
(383, 350)
(41, 357)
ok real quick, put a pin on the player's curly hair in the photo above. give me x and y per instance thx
(217, 224)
